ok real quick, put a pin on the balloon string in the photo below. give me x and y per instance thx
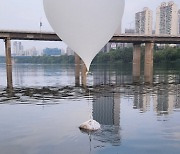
(90, 110)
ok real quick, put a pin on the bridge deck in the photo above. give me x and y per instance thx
(50, 36)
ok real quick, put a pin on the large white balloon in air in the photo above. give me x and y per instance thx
(85, 25)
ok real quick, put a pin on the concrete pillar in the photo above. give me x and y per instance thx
(77, 70)
(148, 63)
(8, 51)
(8, 63)
(83, 75)
(136, 62)
(9, 77)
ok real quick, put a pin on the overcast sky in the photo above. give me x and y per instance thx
(26, 15)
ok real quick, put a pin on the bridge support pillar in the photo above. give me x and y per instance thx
(148, 63)
(83, 75)
(136, 62)
(8, 51)
(8, 63)
(9, 77)
(77, 70)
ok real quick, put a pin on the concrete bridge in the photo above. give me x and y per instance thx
(137, 40)
(124, 38)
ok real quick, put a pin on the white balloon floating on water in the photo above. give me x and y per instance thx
(85, 25)
(90, 125)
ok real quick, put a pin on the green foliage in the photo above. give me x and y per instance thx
(46, 59)
(125, 55)
(169, 54)
(114, 56)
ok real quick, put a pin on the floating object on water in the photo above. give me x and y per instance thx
(90, 125)
(85, 25)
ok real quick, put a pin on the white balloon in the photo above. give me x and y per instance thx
(85, 25)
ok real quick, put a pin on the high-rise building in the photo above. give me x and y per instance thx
(143, 22)
(30, 52)
(17, 48)
(14, 48)
(167, 19)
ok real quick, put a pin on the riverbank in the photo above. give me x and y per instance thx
(125, 55)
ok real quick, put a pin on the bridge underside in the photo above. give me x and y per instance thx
(136, 39)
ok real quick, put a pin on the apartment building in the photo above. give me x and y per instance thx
(143, 22)
(167, 19)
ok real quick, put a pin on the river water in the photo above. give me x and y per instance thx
(42, 113)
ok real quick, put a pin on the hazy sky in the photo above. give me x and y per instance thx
(26, 15)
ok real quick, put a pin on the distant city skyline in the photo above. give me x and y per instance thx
(26, 15)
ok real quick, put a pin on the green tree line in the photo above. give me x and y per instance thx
(169, 54)
(125, 55)
(64, 59)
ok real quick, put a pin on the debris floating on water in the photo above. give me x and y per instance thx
(91, 125)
